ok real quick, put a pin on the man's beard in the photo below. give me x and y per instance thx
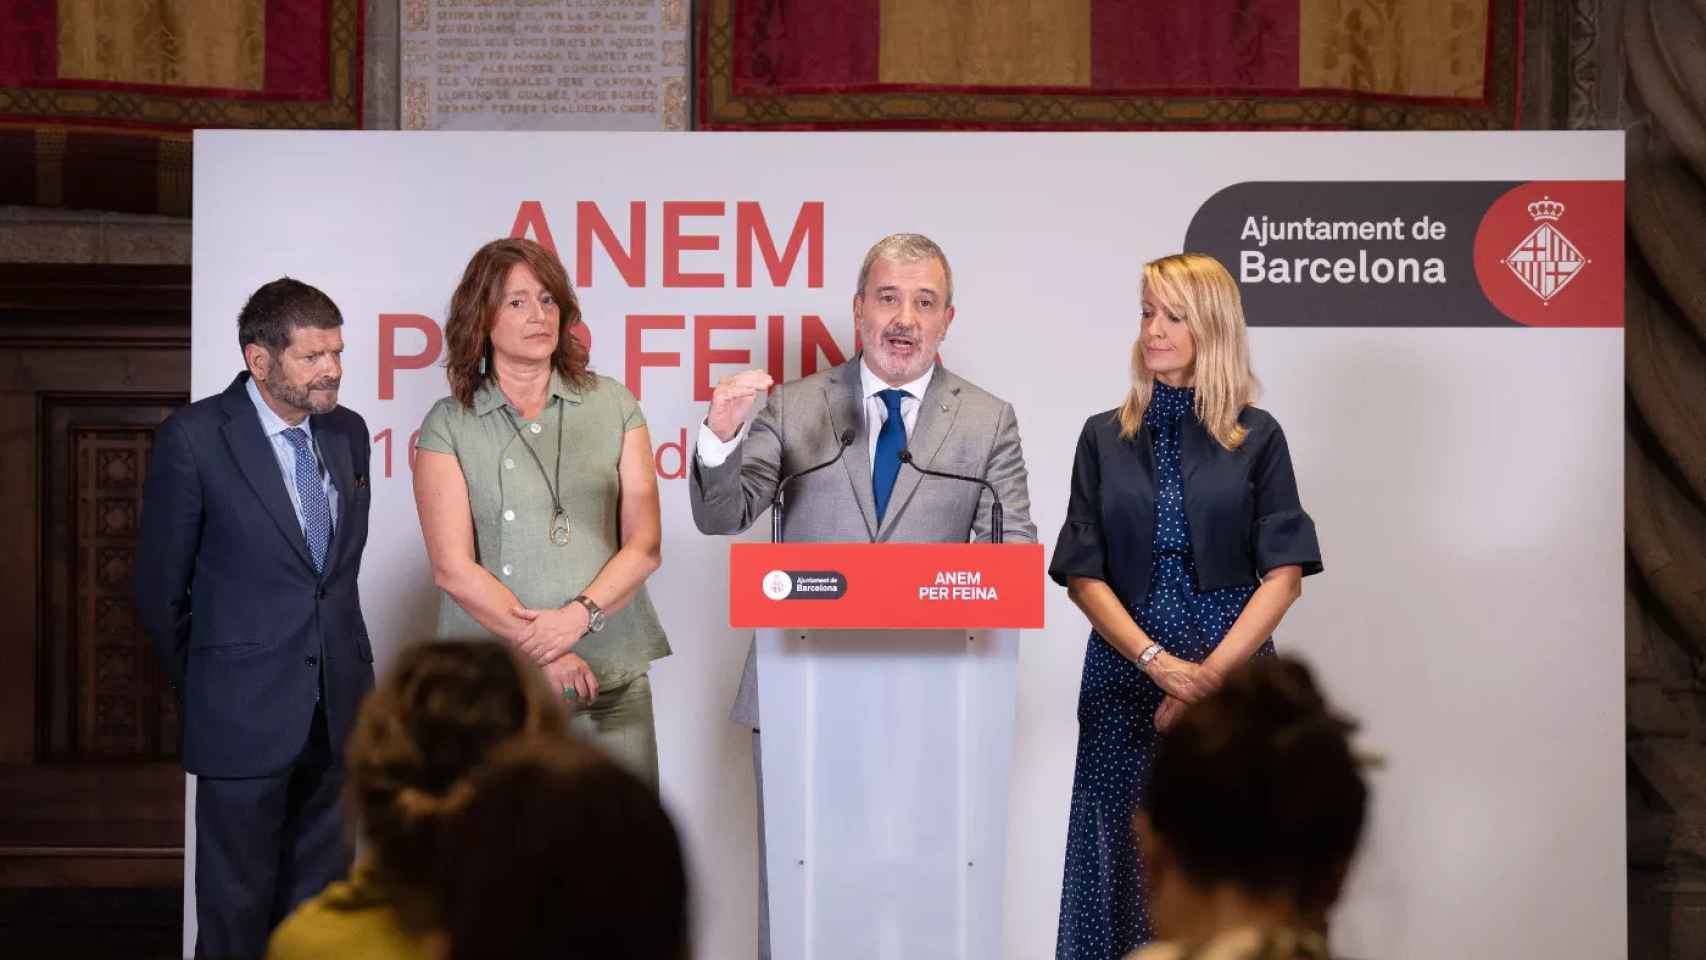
(303, 399)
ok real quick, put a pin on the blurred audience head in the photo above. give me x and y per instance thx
(562, 853)
(433, 719)
(1254, 806)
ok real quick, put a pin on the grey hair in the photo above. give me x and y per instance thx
(907, 248)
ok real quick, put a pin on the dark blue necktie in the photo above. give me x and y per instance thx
(891, 440)
(316, 512)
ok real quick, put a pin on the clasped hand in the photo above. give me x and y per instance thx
(550, 633)
(569, 673)
(1168, 713)
(1185, 683)
(1183, 680)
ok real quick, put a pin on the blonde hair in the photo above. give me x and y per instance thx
(1198, 290)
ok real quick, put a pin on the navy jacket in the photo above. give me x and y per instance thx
(1242, 507)
(226, 589)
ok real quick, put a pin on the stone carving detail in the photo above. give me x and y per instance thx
(1665, 460)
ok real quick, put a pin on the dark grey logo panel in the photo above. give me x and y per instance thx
(1357, 254)
(817, 585)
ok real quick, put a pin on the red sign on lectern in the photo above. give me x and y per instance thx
(902, 586)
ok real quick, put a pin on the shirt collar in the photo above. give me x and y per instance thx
(871, 384)
(488, 397)
(271, 423)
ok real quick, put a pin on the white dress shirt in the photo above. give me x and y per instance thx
(712, 452)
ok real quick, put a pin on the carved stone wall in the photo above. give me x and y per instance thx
(1660, 50)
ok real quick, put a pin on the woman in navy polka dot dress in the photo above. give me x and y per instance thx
(1184, 545)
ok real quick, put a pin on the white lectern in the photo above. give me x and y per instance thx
(887, 712)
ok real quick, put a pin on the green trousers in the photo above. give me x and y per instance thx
(619, 722)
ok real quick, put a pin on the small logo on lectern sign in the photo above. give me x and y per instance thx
(778, 585)
(1546, 261)
(794, 585)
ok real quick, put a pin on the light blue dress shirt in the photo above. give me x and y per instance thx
(274, 426)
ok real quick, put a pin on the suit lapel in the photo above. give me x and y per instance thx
(936, 412)
(337, 455)
(254, 456)
(846, 403)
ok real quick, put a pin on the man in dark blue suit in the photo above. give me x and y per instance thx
(252, 530)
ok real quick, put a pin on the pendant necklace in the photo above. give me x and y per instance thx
(559, 533)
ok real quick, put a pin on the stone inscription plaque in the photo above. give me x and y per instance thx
(544, 64)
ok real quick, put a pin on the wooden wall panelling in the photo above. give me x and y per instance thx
(103, 696)
(92, 358)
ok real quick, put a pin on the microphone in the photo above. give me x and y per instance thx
(776, 502)
(996, 534)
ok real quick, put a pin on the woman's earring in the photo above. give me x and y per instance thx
(482, 364)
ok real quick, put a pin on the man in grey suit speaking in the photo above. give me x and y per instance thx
(891, 397)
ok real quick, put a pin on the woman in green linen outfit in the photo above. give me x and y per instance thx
(538, 500)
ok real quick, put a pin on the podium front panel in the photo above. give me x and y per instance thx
(886, 763)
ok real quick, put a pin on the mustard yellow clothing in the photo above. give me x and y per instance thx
(357, 917)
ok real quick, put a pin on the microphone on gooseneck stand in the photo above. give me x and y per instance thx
(776, 502)
(996, 534)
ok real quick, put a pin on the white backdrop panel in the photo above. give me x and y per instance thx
(1467, 483)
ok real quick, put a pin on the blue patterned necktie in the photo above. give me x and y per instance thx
(316, 513)
(891, 440)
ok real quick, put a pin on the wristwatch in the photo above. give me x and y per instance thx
(594, 616)
(1148, 656)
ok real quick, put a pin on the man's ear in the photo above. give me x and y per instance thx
(259, 361)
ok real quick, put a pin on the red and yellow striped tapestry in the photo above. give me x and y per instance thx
(1089, 64)
(98, 97)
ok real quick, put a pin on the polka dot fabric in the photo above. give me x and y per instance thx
(1103, 913)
